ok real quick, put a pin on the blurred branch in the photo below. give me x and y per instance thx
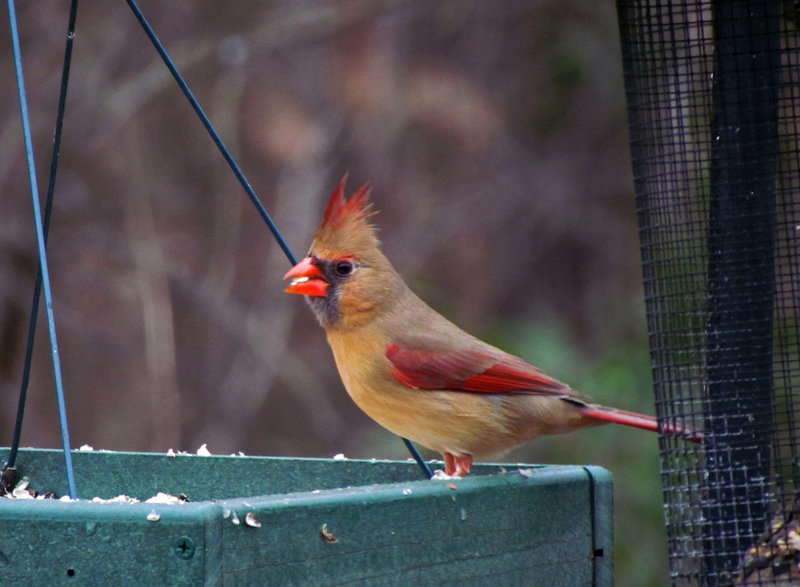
(301, 24)
(151, 280)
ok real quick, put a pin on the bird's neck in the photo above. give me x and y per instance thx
(354, 315)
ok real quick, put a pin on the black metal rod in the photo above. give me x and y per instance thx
(418, 458)
(211, 130)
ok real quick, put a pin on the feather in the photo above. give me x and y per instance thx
(635, 420)
(345, 228)
(620, 417)
(487, 370)
(340, 212)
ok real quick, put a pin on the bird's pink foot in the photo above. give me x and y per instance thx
(457, 466)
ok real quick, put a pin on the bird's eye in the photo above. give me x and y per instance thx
(344, 268)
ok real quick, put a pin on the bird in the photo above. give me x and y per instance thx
(414, 371)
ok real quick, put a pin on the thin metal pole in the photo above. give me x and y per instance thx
(40, 240)
(211, 130)
(48, 208)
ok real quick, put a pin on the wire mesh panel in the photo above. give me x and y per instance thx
(713, 101)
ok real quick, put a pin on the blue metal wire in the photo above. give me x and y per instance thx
(238, 172)
(48, 208)
(40, 239)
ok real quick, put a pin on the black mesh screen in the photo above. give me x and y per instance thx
(713, 94)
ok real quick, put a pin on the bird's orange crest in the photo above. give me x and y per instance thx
(345, 228)
(340, 211)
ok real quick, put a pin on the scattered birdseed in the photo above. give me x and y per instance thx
(252, 520)
(327, 535)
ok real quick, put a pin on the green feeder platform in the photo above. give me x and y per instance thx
(286, 521)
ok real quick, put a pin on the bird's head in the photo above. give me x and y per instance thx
(345, 277)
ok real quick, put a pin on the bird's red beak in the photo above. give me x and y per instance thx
(306, 279)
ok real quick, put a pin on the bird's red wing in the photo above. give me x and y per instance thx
(491, 371)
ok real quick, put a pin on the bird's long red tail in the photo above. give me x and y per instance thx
(639, 421)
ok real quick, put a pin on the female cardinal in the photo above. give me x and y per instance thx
(415, 372)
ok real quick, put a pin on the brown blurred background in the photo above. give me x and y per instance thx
(495, 138)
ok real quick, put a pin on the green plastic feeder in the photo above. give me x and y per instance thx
(281, 521)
